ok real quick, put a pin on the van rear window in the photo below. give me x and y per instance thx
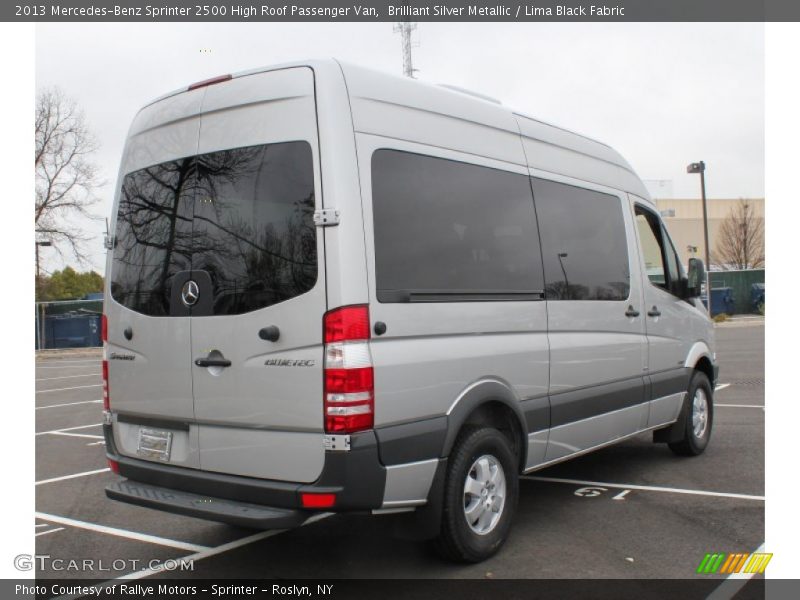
(452, 231)
(242, 217)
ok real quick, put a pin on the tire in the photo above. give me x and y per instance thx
(697, 417)
(481, 466)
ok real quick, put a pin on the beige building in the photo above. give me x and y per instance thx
(684, 219)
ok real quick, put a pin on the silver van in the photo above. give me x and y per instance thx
(334, 290)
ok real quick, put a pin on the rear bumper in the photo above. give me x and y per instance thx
(242, 514)
(357, 477)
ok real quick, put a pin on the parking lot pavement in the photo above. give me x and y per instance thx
(630, 510)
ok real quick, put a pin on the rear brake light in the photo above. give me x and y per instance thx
(211, 81)
(347, 323)
(104, 335)
(106, 403)
(317, 500)
(349, 387)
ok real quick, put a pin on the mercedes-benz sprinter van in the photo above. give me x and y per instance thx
(331, 289)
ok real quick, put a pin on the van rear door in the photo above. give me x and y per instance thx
(258, 263)
(150, 375)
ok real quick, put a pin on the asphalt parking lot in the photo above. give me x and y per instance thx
(633, 510)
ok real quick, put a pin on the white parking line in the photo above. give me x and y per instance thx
(42, 525)
(69, 377)
(79, 435)
(739, 405)
(721, 386)
(78, 387)
(69, 404)
(647, 488)
(50, 531)
(69, 429)
(222, 548)
(133, 535)
(733, 583)
(76, 475)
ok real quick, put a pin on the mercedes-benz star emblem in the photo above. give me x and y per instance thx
(190, 293)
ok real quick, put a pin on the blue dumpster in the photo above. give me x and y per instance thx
(721, 301)
(756, 296)
(72, 330)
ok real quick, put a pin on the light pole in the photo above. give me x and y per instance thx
(700, 167)
(40, 243)
(39, 321)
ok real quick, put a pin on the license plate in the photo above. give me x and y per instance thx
(154, 444)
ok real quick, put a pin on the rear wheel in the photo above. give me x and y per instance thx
(698, 416)
(480, 496)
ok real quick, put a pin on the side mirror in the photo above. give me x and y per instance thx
(695, 278)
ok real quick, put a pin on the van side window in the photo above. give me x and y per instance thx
(584, 244)
(660, 259)
(452, 231)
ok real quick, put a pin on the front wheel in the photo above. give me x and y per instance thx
(698, 416)
(480, 496)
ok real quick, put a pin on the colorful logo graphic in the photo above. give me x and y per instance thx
(742, 562)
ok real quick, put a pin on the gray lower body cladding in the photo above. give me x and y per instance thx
(356, 477)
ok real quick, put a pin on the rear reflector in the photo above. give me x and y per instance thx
(211, 81)
(349, 394)
(114, 466)
(104, 329)
(317, 500)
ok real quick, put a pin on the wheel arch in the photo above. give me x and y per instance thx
(700, 359)
(489, 402)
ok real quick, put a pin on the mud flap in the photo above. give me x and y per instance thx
(675, 432)
(424, 523)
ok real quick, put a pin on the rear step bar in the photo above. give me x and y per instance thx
(242, 514)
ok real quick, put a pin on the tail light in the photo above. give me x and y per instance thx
(349, 401)
(104, 336)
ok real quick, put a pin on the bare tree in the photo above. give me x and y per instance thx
(66, 178)
(740, 240)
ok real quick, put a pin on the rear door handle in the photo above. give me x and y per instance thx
(654, 312)
(631, 312)
(212, 362)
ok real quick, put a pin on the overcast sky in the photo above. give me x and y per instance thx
(663, 95)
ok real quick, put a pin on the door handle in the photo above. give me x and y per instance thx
(654, 312)
(631, 312)
(212, 362)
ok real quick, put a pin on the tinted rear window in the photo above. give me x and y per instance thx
(584, 246)
(452, 231)
(154, 235)
(244, 217)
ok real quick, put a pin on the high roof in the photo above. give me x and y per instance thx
(547, 147)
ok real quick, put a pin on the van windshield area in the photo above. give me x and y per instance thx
(238, 221)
